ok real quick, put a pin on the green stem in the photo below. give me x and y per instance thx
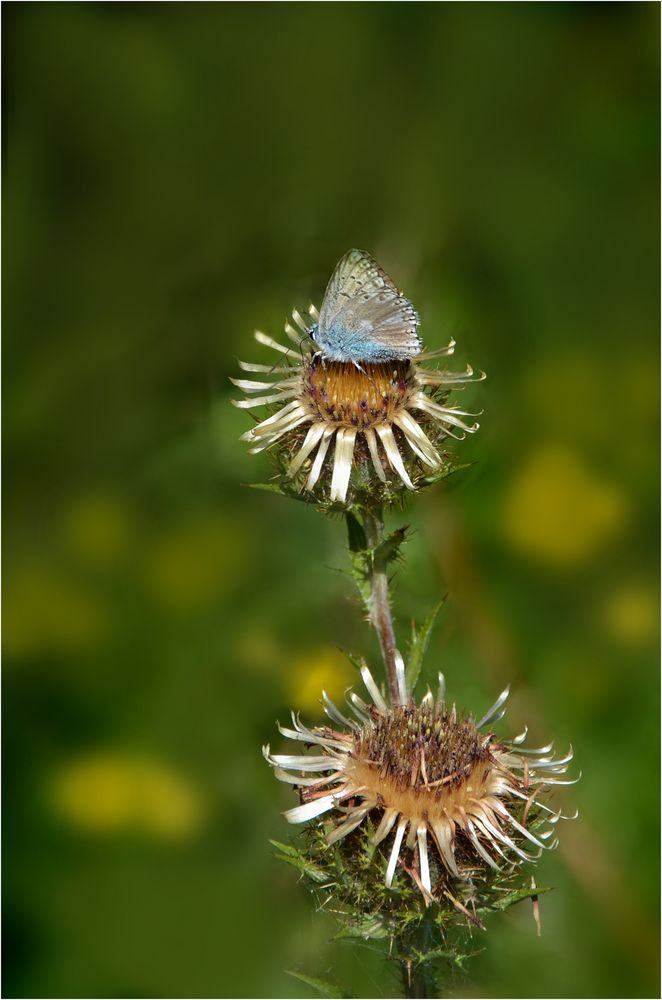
(380, 607)
(417, 981)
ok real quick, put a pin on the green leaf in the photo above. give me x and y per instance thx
(356, 661)
(442, 955)
(291, 856)
(369, 928)
(284, 848)
(360, 557)
(323, 986)
(446, 473)
(419, 645)
(510, 898)
(365, 560)
(281, 489)
(388, 550)
(361, 574)
(355, 533)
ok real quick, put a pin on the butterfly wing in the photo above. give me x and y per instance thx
(363, 316)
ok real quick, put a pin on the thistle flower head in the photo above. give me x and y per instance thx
(447, 799)
(341, 428)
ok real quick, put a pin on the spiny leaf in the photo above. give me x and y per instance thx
(355, 533)
(442, 955)
(389, 549)
(323, 986)
(368, 928)
(356, 661)
(503, 902)
(445, 473)
(419, 645)
(361, 574)
(365, 560)
(291, 856)
(360, 557)
(284, 848)
(281, 489)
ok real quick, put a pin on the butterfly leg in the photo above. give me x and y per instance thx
(318, 358)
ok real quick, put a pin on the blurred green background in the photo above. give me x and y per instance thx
(175, 176)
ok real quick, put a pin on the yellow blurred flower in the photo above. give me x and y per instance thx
(111, 793)
(45, 613)
(559, 511)
(98, 528)
(631, 613)
(189, 567)
(322, 669)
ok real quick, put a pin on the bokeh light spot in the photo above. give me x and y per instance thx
(111, 793)
(631, 613)
(98, 528)
(321, 669)
(558, 511)
(46, 613)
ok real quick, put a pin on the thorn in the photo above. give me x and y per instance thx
(529, 803)
(458, 906)
(536, 908)
(428, 897)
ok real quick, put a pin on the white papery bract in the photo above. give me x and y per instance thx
(451, 797)
(386, 419)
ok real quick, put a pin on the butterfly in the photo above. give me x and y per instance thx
(364, 318)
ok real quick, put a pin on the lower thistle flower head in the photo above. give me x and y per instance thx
(447, 801)
(375, 427)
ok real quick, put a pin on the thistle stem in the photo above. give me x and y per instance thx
(380, 607)
(417, 982)
(419, 978)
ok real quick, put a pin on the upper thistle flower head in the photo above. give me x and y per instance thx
(363, 415)
(451, 802)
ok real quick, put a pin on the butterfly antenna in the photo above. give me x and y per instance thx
(303, 333)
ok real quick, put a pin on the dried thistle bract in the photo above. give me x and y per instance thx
(377, 424)
(435, 783)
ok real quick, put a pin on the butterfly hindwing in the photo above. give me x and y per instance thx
(363, 316)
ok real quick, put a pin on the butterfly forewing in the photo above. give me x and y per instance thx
(356, 274)
(363, 316)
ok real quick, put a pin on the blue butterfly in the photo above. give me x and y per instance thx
(364, 317)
